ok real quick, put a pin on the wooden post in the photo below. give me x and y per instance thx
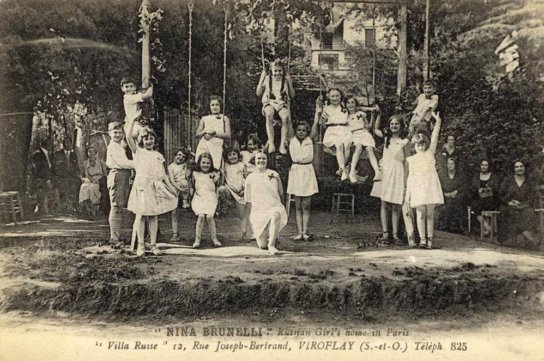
(426, 65)
(146, 65)
(401, 75)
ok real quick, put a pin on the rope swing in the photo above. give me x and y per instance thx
(190, 122)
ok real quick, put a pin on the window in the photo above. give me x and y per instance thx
(328, 61)
(370, 37)
(327, 41)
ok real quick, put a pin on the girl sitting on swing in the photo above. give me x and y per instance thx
(276, 90)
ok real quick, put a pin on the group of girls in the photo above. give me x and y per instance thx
(401, 181)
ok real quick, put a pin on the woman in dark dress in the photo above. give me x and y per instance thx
(517, 197)
(448, 150)
(452, 212)
(484, 191)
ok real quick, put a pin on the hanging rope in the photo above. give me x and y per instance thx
(225, 34)
(289, 50)
(190, 122)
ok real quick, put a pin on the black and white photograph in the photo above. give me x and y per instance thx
(271, 180)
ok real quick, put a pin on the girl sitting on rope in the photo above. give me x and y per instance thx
(360, 133)
(213, 130)
(337, 137)
(276, 90)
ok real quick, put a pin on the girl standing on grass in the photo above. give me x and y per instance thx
(360, 135)
(264, 196)
(235, 174)
(392, 185)
(152, 193)
(302, 180)
(337, 137)
(205, 180)
(178, 172)
(423, 189)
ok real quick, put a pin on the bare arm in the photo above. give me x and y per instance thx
(200, 129)
(130, 140)
(280, 189)
(290, 87)
(260, 85)
(226, 134)
(377, 125)
(317, 115)
(436, 132)
(148, 94)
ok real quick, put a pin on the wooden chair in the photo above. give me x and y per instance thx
(539, 210)
(290, 199)
(342, 203)
(11, 207)
(489, 218)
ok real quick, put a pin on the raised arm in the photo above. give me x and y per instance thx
(260, 85)
(436, 132)
(317, 116)
(378, 123)
(148, 94)
(130, 140)
(290, 87)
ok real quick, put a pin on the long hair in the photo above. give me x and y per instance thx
(271, 95)
(206, 156)
(387, 130)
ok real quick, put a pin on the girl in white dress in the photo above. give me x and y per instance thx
(391, 187)
(213, 130)
(302, 180)
(264, 196)
(360, 127)
(423, 189)
(337, 137)
(152, 192)
(205, 200)
(178, 172)
(235, 174)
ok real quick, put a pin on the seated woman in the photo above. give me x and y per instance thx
(484, 190)
(448, 150)
(90, 192)
(452, 212)
(517, 195)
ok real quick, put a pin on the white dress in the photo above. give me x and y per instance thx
(391, 188)
(302, 180)
(337, 127)
(205, 198)
(280, 99)
(214, 146)
(149, 195)
(423, 185)
(263, 194)
(358, 124)
(235, 181)
(178, 173)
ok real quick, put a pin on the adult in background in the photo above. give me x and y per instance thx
(94, 188)
(484, 191)
(452, 212)
(41, 176)
(517, 196)
(67, 178)
(449, 150)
